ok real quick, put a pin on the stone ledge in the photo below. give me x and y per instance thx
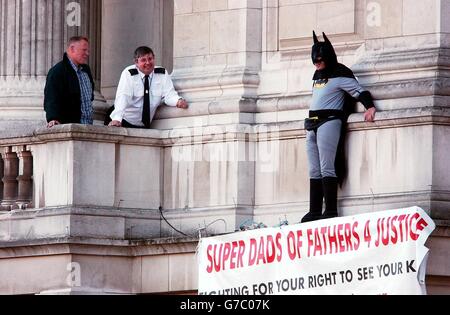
(96, 246)
(134, 225)
(155, 137)
(442, 228)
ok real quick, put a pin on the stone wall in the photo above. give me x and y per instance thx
(100, 192)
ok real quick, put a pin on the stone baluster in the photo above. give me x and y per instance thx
(10, 185)
(25, 179)
(1, 177)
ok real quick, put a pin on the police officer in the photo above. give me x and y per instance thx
(142, 88)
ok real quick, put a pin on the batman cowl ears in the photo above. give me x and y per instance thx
(323, 50)
(316, 40)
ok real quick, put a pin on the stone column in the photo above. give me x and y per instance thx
(127, 25)
(1, 177)
(11, 170)
(33, 38)
(217, 57)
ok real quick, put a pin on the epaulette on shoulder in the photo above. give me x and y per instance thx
(133, 72)
(160, 70)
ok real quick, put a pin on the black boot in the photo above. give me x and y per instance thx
(315, 201)
(330, 193)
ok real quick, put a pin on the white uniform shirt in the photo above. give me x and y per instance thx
(130, 95)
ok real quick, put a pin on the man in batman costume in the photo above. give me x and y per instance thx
(335, 91)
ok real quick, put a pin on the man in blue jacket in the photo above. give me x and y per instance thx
(69, 89)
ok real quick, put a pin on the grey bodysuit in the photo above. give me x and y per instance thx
(321, 145)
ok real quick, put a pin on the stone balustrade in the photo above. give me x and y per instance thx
(16, 173)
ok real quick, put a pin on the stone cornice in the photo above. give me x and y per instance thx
(213, 78)
(125, 248)
(223, 105)
(219, 133)
(405, 73)
(91, 246)
(397, 60)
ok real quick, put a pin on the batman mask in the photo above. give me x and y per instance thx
(323, 50)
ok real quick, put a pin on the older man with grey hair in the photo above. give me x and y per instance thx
(69, 88)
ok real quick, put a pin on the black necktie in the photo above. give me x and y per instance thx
(146, 108)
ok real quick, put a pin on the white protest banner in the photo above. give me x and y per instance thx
(375, 253)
